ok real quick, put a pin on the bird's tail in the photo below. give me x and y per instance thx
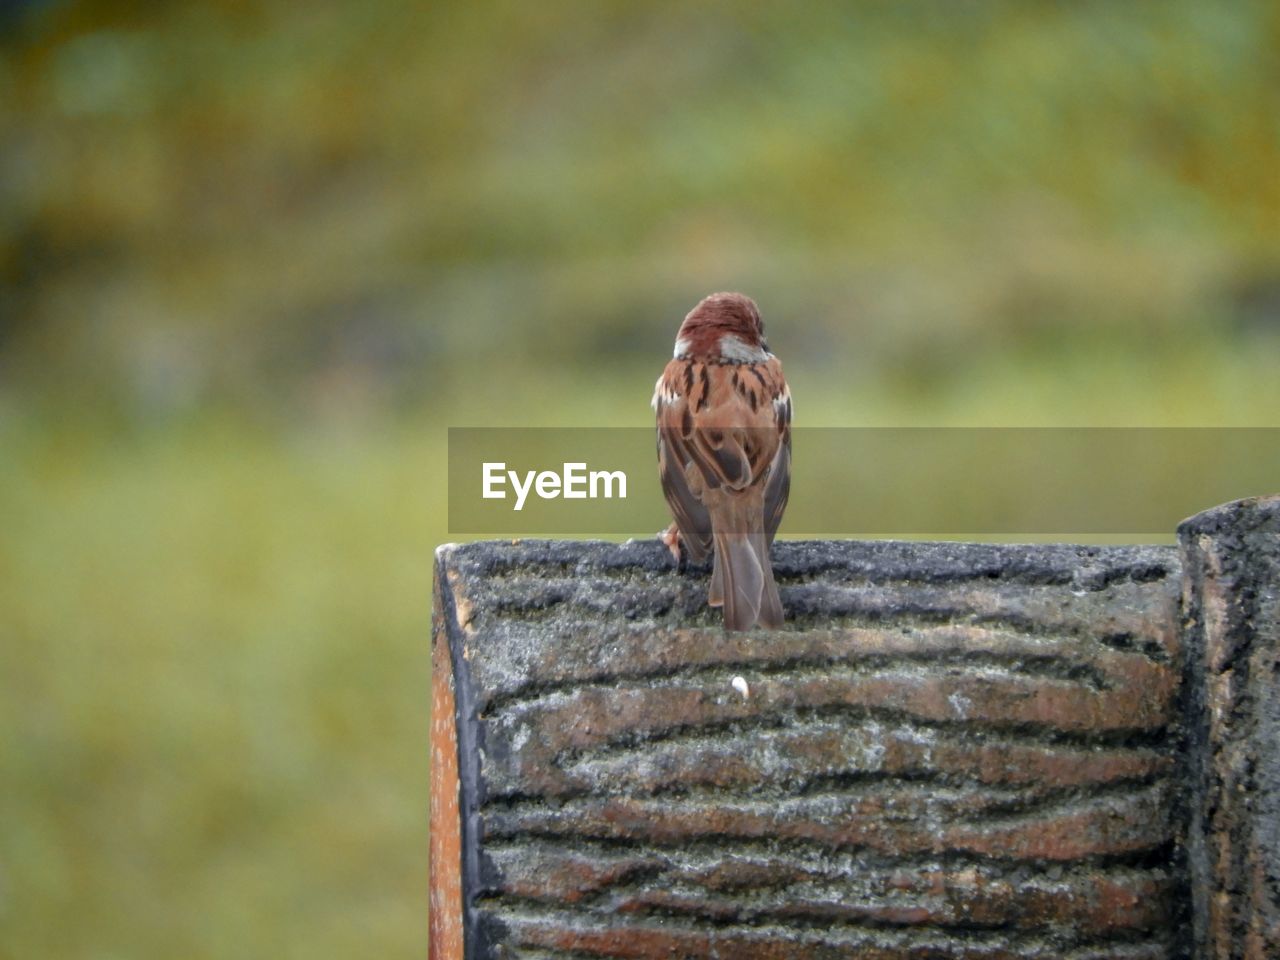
(742, 578)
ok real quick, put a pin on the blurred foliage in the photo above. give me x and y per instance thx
(330, 199)
(254, 257)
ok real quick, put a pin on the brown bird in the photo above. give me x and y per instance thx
(724, 453)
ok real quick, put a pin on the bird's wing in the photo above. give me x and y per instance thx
(674, 458)
(720, 431)
(778, 486)
(691, 516)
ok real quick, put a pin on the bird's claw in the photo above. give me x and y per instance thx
(671, 537)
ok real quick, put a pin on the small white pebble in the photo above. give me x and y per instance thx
(740, 684)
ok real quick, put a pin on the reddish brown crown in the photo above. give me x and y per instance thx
(732, 314)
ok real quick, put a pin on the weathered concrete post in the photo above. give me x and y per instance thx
(1231, 604)
(951, 750)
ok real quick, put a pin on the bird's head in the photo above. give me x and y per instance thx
(724, 326)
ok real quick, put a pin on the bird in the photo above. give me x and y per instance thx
(723, 413)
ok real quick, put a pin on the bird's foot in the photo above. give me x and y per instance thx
(671, 537)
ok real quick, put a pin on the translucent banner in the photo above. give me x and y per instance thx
(873, 481)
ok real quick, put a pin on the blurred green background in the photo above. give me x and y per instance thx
(255, 257)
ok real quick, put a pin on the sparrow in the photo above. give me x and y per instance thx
(724, 454)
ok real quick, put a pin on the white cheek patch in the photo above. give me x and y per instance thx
(682, 348)
(735, 349)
